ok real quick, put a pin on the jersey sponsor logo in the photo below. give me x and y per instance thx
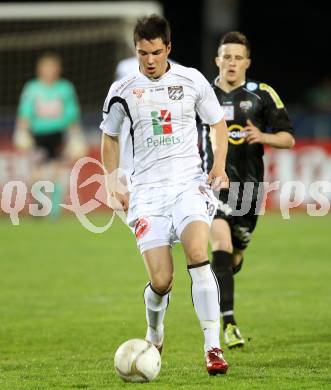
(245, 105)
(273, 94)
(237, 134)
(163, 140)
(162, 130)
(228, 112)
(176, 92)
(141, 227)
(161, 121)
(138, 92)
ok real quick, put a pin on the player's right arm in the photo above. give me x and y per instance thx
(113, 116)
(22, 138)
(110, 153)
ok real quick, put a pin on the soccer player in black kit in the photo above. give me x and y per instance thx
(255, 116)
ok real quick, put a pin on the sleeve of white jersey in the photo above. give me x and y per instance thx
(207, 105)
(113, 113)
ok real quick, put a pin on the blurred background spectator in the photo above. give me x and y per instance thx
(48, 125)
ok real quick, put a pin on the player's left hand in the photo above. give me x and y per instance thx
(218, 179)
(254, 134)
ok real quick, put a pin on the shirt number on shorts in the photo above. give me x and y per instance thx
(210, 209)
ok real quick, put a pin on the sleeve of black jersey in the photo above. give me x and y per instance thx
(276, 116)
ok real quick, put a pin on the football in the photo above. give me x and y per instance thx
(137, 360)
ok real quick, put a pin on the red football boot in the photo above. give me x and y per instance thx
(215, 362)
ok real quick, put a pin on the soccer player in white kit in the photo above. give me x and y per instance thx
(170, 198)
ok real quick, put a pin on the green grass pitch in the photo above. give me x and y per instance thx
(68, 298)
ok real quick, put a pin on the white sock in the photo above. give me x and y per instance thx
(205, 296)
(156, 306)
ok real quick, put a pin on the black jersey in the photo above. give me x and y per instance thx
(255, 101)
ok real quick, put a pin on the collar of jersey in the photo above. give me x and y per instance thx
(228, 93)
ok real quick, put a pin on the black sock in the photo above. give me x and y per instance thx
(222, 267)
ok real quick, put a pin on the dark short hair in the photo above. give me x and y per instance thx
(236, 37)
(152, 27)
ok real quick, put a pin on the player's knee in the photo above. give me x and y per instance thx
(224, 246)
(196, 255)
(162, 284)
(222, 261)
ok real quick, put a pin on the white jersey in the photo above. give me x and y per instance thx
(123, 69)
(162, 113)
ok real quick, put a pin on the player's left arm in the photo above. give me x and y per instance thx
(76, 145)
(219, 140)
(276, 118)
(71, 112)
(210, 111)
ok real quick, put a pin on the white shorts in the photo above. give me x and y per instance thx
(158, 216)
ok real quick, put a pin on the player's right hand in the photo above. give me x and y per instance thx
(118, 201)
(23, 140)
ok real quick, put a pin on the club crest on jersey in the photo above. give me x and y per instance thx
(245, 105)
(141, 227)
(237, 134)
(176, 92)
(138, 92)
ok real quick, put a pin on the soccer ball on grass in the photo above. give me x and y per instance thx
(137, 360)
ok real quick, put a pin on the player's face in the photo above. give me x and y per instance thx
(232, 62)
(152, 56)
(48, 70)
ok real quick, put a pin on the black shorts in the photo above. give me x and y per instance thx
(50, 144)
(241, 226)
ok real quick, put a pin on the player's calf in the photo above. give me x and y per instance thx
(205, 300)
(222, 267)
(156, 306)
